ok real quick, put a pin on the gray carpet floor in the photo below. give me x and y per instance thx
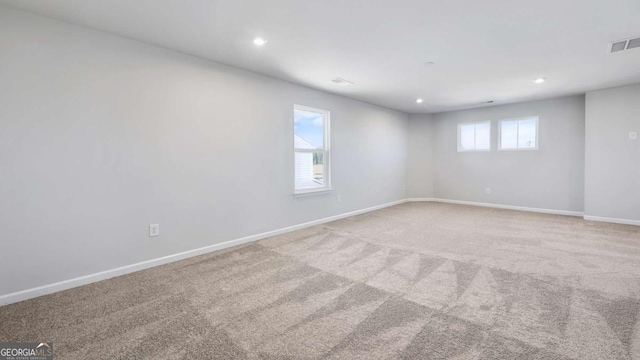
(414, 281)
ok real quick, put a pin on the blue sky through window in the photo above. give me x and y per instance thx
(309, 125)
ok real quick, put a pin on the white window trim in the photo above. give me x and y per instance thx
(518, 133)
(326, 151)
(459, 143)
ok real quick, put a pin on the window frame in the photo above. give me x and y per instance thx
(537, 119)
(326, 150)
(459, 140)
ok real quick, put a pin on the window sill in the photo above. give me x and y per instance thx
(519, 149)
(478, 150)
(302, 193)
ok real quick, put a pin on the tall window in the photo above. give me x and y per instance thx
(519, 134)
(474, 136)
(311, 147)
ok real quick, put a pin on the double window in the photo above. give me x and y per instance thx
(514, 134)
(311, 149)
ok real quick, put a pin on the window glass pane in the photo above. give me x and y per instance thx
(527, 133)
(483, 136)
(309, 170)
(318, 168)
(308, 128)
(467, 137)
(509, 134)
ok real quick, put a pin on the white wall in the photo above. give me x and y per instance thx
(551, 177)
(101, 136)
(612, 175)
(420, 158)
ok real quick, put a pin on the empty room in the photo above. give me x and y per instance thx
(290, 179)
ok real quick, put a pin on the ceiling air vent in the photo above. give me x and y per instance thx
(342, 82)
(624, 45)
(633, 43)
(619, 46)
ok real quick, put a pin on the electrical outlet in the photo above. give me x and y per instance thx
(154, 230)
(633, 135)
(487, 191)
(338, 198)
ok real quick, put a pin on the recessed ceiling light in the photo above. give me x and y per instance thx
(429, 63)
(539, 80)
(419, 101)
(259, 41)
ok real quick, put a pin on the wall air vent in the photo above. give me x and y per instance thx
(627, 44)
(342, 82)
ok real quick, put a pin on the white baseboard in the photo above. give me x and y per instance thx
(498, 206)
(612, 220)
(87, 279)
(538, 210)
(103, 275)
